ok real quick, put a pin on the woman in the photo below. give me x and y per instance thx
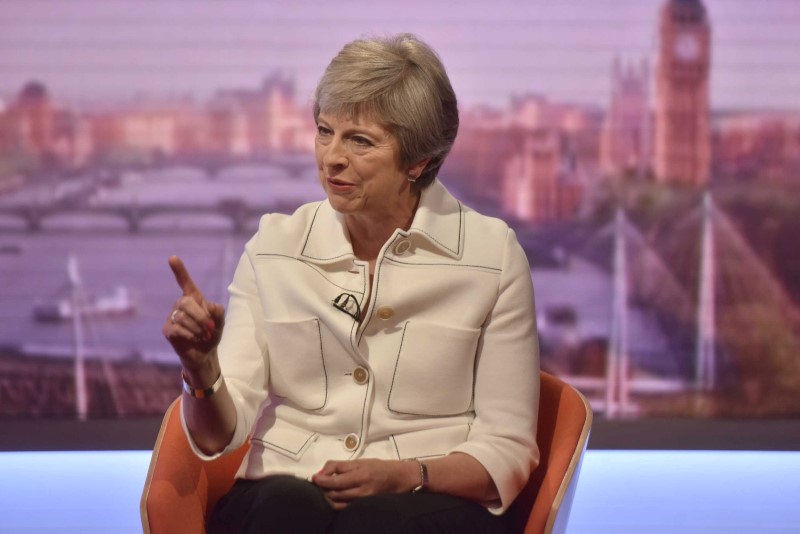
(379, 348)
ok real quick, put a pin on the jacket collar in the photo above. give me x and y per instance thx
(439, 220)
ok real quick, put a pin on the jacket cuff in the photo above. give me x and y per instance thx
(238, 439)
(509, 477)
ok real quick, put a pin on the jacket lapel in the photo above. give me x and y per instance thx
(326, 239)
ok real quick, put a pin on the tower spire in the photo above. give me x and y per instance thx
(617, 359)
(81, 398)
(705, 356)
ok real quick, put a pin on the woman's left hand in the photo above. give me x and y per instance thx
(345, 481)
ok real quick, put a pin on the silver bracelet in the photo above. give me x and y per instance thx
(200, 393)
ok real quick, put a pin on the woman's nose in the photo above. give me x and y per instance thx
(335, 154)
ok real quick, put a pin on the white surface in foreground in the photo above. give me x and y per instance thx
(619, 491)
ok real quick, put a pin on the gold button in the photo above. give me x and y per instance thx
(385, 313)
(351, 442)
(402, 246)
(360, 375)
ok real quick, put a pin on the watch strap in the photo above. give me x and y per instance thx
(199, 393)
(423, 477)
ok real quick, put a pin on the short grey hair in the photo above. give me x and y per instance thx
(400, 82)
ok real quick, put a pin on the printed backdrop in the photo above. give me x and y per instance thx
(647, 153)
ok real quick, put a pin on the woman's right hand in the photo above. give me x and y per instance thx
(194, 325)
(194, 328)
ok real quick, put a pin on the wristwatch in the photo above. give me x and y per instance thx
(423, 477)
(198, 393)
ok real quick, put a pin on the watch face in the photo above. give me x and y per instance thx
(687, 47)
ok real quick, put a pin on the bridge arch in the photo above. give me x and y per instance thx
(14, 221)
(73, 220)
(166, 220)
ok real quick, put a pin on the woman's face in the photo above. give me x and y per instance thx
(358, 163)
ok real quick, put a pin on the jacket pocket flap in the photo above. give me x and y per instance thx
(429, 443)
(286, 439)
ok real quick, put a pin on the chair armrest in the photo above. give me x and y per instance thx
(181, 489)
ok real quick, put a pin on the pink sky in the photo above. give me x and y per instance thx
(89, 49)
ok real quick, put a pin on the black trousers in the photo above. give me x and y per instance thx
(289, 505)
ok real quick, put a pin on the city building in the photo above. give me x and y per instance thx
(150, 131)
(33, 117)
(275, 123)
(288, 127)
(227, 128)
(475, 162)
(626, 139)
(8, 137)
(750, 146)
(682, 119)
(540, 177)
(72, 139)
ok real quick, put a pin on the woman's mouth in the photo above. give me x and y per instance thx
(339, 185)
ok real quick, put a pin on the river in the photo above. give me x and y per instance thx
(33, 265)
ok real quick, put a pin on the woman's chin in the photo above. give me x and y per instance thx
(343, 204)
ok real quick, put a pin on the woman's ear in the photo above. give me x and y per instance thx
(416, 169)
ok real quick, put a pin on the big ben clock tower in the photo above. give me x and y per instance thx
(682, 143)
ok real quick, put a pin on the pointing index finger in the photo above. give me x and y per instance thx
(185, 281)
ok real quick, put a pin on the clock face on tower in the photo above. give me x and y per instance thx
(687, 47)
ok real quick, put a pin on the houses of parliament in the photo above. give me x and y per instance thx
(675, 141)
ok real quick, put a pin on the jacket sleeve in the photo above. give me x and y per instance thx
(506, 401)
(242, 354)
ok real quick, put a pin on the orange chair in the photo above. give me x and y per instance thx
(565, 419)
(181, 490)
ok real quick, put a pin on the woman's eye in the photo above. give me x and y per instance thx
(321, 130)
(361, 141)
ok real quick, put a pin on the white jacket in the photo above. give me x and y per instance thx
(445, 360)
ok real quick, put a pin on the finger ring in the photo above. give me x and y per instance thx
(174, 315)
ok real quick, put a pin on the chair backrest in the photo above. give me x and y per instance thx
(565, 419)
(181, 490)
